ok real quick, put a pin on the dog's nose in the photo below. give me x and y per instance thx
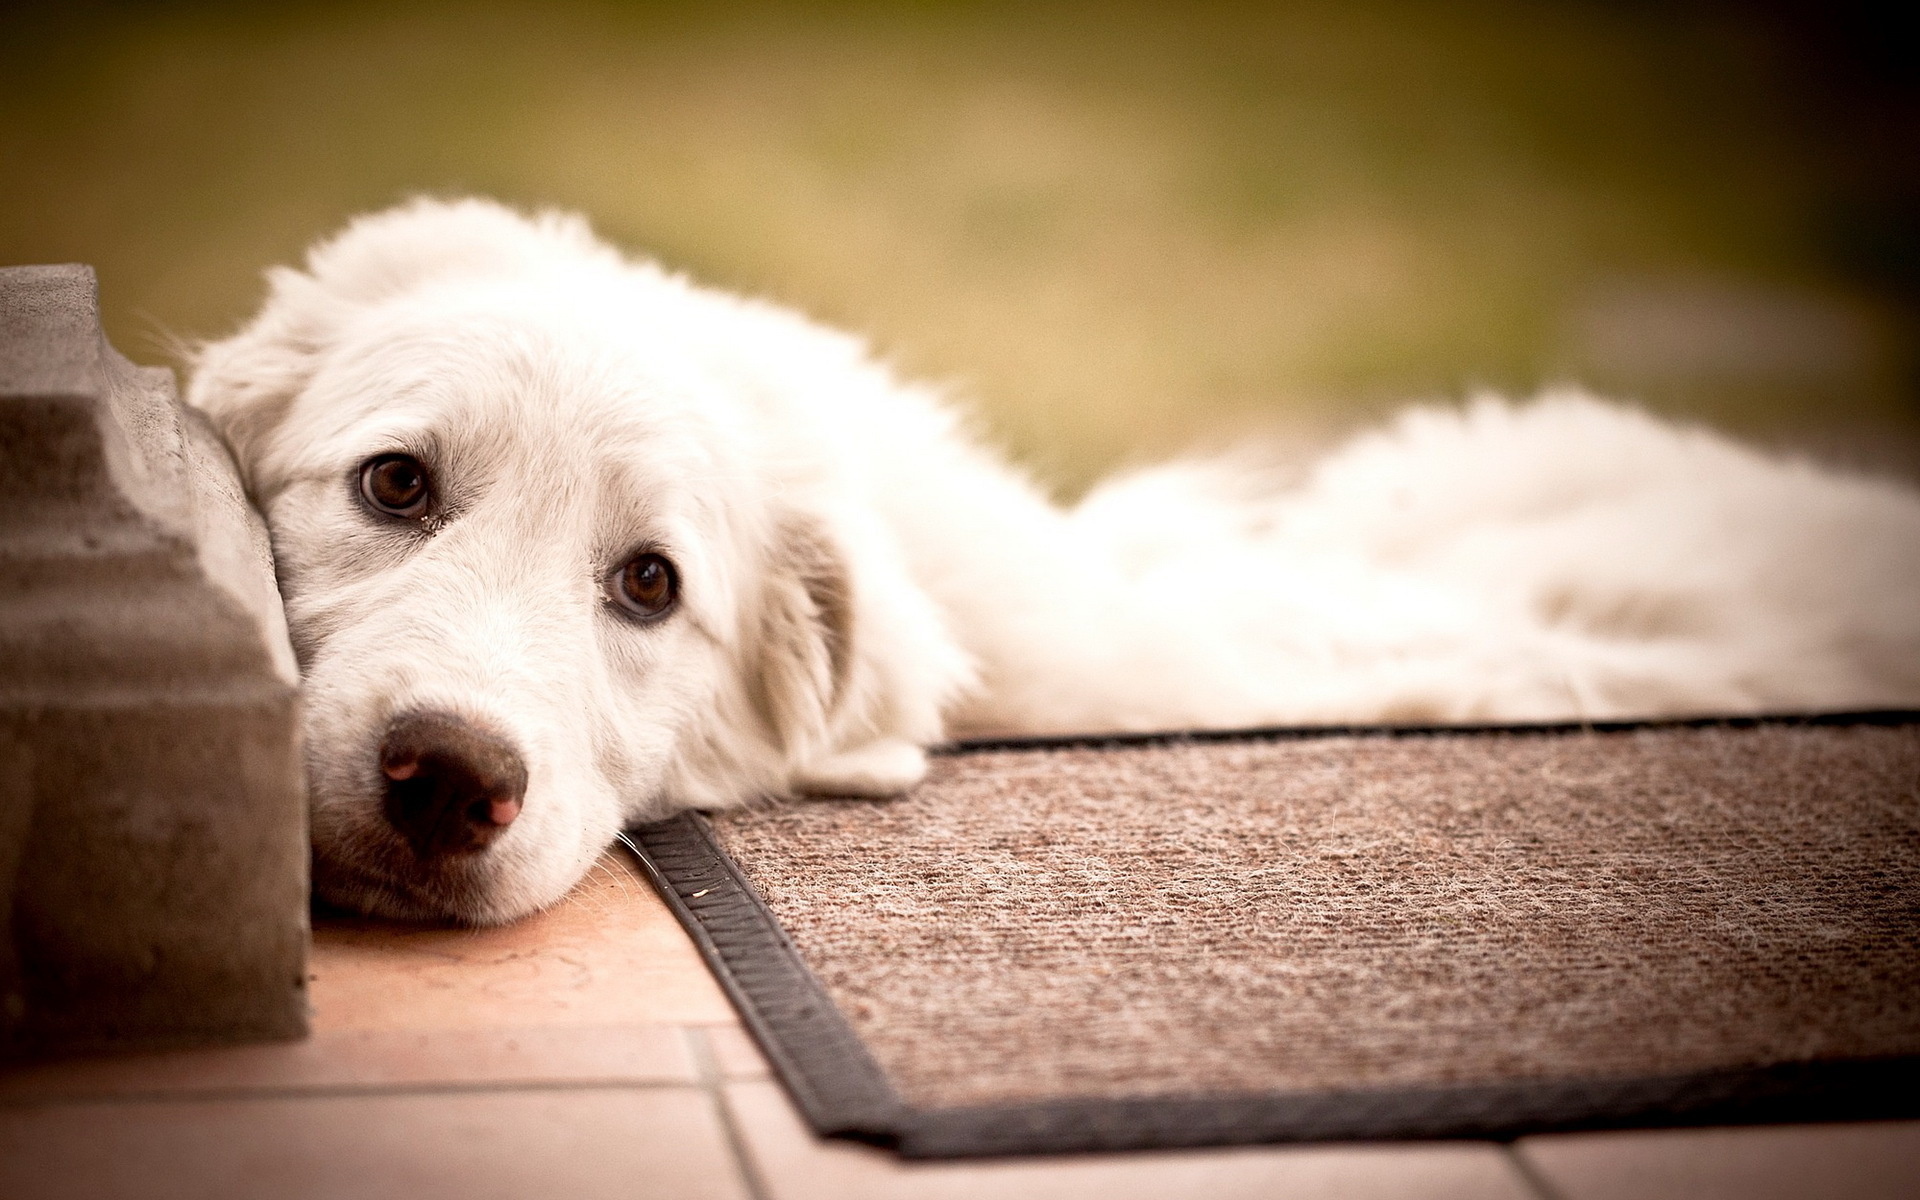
(452, 787)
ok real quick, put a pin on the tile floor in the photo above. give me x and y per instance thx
(586, 1053)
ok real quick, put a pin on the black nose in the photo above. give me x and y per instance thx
(452, 787)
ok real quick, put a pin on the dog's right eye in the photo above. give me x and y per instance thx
(646, 587)
(395, 484)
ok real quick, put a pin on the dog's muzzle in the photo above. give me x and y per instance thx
(452, 787)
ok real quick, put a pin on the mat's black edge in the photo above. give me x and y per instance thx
(842, 1091)
(825, 1066)
(1798, 1092)
(1275, 733)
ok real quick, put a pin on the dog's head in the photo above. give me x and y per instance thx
(565, 543)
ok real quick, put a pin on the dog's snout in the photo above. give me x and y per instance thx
(452, 787)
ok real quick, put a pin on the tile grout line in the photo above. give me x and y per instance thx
(707, 1068)
(326, 1091)
(1530, 1174)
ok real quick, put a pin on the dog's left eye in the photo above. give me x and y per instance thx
(395, 484)
(646, 586)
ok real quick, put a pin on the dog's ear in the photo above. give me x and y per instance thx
(807, 634)
(247, 382)
(853, 669)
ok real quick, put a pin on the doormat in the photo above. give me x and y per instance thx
(1150, 941)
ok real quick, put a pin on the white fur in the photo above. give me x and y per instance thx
(861, 578)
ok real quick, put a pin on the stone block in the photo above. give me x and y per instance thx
(153, 840)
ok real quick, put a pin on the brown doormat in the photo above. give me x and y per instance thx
(1134, 942)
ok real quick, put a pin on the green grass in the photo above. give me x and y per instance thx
(1114, 231)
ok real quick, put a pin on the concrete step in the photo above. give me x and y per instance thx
(153, 843)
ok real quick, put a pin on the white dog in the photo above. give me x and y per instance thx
(567, 541)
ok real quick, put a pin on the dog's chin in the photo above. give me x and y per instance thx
(461, 893)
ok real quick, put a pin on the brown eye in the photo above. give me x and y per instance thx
(646, 586)
(395, 484)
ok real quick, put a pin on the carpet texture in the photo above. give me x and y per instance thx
(1374, 915)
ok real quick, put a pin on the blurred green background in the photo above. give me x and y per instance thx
(1115, 230)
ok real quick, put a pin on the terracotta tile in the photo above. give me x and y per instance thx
(641, 1054)
(1841, 1162)
(474, 1146)
(609, 954)
(793, 1165)
(735, 1053)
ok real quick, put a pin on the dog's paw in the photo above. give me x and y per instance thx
(885, 767)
